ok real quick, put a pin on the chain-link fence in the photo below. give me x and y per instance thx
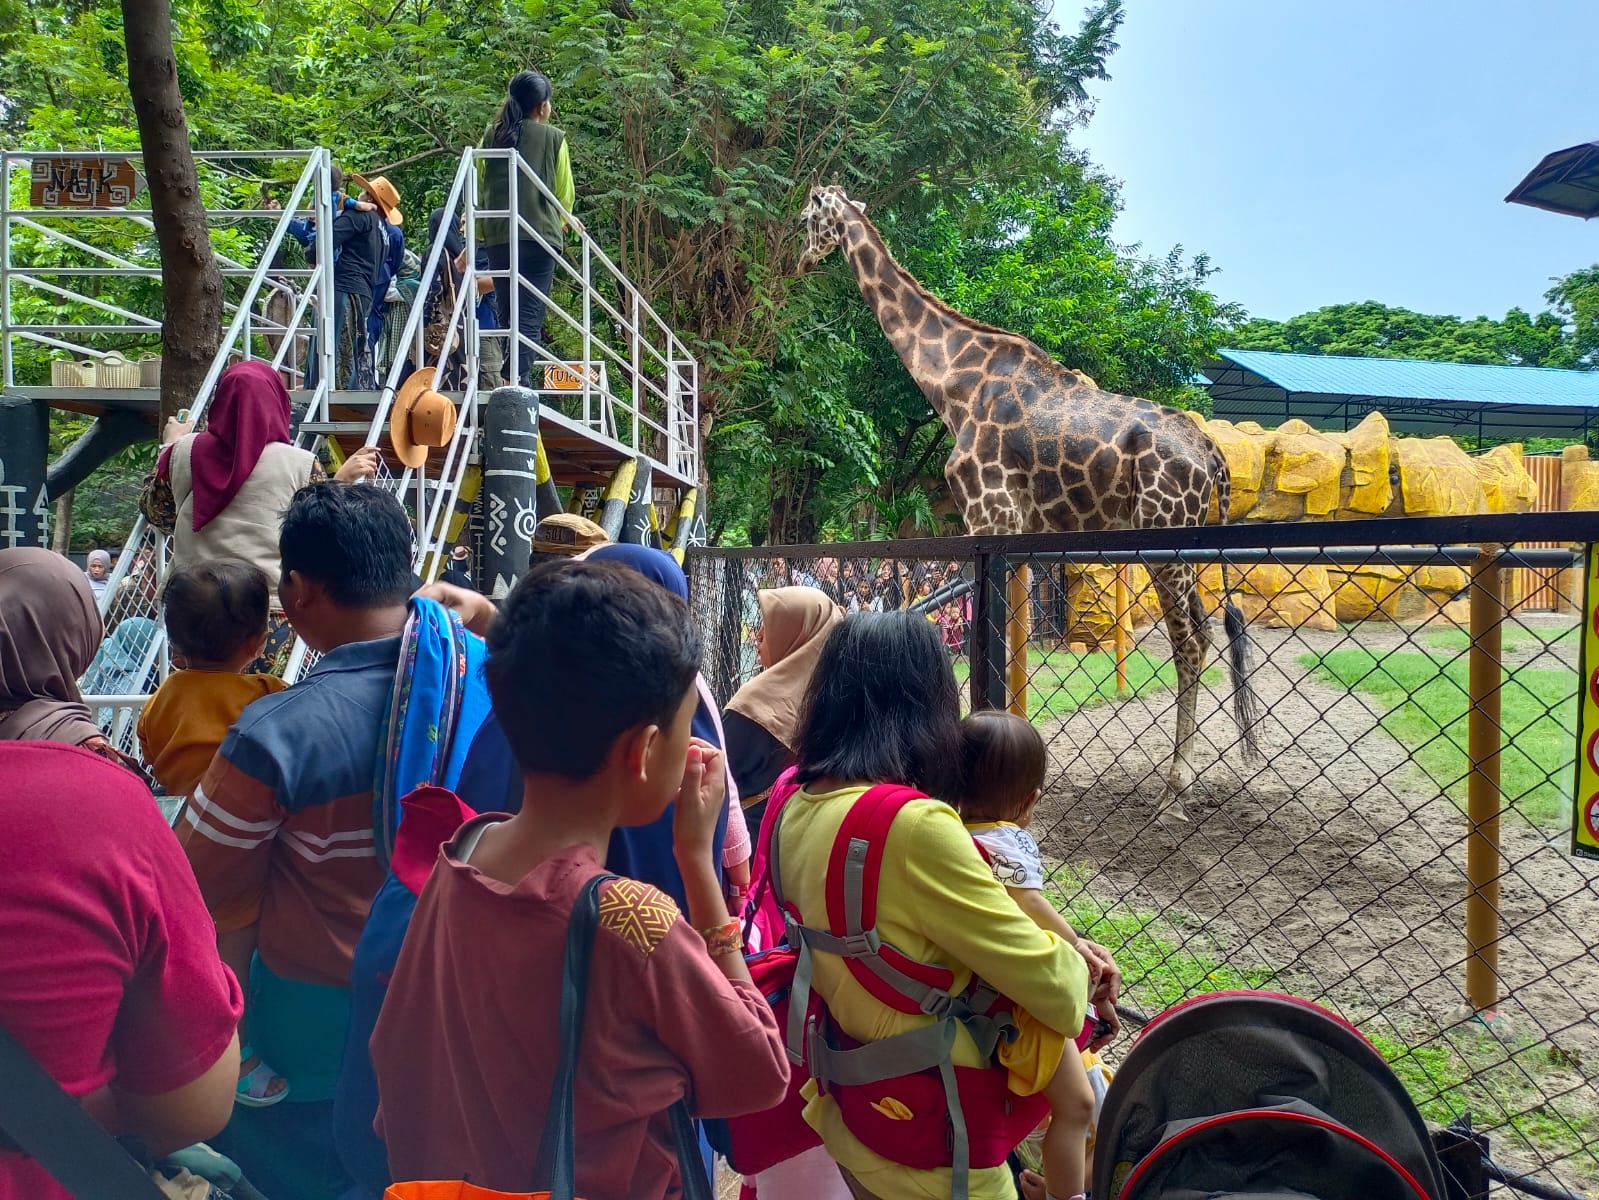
(1365, 858)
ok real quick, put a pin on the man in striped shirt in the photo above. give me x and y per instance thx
(279, 831)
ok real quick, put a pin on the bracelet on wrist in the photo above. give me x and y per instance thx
(721, 940)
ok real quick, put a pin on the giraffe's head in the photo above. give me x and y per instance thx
(825, 215)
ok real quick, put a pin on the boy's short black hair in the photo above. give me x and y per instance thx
(882, 706)
(582, 652)
(1003, 766)
(213, 608)
(353, 539)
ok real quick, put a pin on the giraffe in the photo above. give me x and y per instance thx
(1039, 448)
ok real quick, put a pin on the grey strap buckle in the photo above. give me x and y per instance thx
(863, 944)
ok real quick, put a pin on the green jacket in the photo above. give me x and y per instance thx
(543, 148)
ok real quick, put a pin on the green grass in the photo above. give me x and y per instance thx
(1158, 967)
(1498, 1079)
(1060, 683)
(1425, 706)
(1517, 637)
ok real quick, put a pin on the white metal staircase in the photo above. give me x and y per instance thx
(630, 392)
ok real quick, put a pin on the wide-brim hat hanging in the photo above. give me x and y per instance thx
(421, 419)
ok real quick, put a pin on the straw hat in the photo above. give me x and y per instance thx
(384, 194)
(421, 418)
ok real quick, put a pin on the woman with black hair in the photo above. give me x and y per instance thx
(523, 125)
(882, 708)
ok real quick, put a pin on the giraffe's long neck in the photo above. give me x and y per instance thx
(919, 326)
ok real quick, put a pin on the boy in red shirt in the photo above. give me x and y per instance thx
(592, 670)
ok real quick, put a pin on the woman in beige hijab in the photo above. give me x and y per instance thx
(761, 718)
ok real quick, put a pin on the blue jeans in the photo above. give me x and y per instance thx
(536, 265)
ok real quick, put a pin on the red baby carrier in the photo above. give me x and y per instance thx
(902, 1097)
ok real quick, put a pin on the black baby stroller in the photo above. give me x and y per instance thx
(1259, 1095)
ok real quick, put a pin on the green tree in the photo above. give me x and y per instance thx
(1373, 330)
(1575, 299)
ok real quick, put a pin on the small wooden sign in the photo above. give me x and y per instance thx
(88, 181)
(569, 378)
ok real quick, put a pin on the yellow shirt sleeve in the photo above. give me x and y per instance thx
(964, 910)
(564, 188)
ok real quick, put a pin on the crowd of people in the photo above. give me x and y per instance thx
(932, 589)
(342, 960)
(374, 868)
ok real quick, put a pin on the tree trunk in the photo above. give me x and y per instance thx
(191, 285)
(61, 535)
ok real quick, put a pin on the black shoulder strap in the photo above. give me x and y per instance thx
(51, 1128)
(556, 1161)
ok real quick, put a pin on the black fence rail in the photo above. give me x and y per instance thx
(1398, 849)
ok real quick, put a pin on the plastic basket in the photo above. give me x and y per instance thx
(150, 371)
(115, 371)
(65, 373)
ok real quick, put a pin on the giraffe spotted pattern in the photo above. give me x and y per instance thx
(1040, 447)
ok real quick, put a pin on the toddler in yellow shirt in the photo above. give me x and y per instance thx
(1003, 778)
(216, 620)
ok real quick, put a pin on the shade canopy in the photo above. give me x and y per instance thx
(1458, 399)
(1566, 181)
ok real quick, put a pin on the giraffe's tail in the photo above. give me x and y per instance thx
(1247, 710)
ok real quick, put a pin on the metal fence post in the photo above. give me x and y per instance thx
(1484, 798)
(1123, 608)
(988, 632)
(1018, 629)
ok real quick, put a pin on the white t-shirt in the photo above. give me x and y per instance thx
(1012, 854)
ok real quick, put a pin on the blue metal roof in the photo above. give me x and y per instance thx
(1416, 396)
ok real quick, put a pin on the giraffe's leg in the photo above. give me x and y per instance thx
(1177, 586)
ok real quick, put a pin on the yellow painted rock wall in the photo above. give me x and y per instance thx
(1366, 487)
(1579, 479)
(1436, 479)
(1506, 484)
(1295, 473)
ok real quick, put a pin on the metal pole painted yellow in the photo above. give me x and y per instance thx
(1122, 639)
(1484, 798)
(1018, 628)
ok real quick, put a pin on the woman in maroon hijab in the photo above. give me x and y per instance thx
(220, 493)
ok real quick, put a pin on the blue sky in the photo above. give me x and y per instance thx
(1353, 150)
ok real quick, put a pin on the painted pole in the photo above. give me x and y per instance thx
(613, 505)
(639, 523)
(1122, 640)
(1483, 797)
(24, 454)
(680, 533)
(1018, 628)
(510, 482)
(546, 499)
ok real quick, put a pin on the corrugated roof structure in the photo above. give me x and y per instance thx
(1462, 399)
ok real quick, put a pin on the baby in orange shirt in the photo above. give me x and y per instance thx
(216, 620)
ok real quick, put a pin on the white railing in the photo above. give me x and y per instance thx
(43, 257)
(635, 386)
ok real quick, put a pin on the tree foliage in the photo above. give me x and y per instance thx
(1568, 336)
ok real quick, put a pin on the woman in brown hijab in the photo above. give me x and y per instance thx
(49, 631)
(760, 720)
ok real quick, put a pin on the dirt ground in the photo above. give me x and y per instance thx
(1338, 864)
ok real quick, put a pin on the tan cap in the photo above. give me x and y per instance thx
(567, 533)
